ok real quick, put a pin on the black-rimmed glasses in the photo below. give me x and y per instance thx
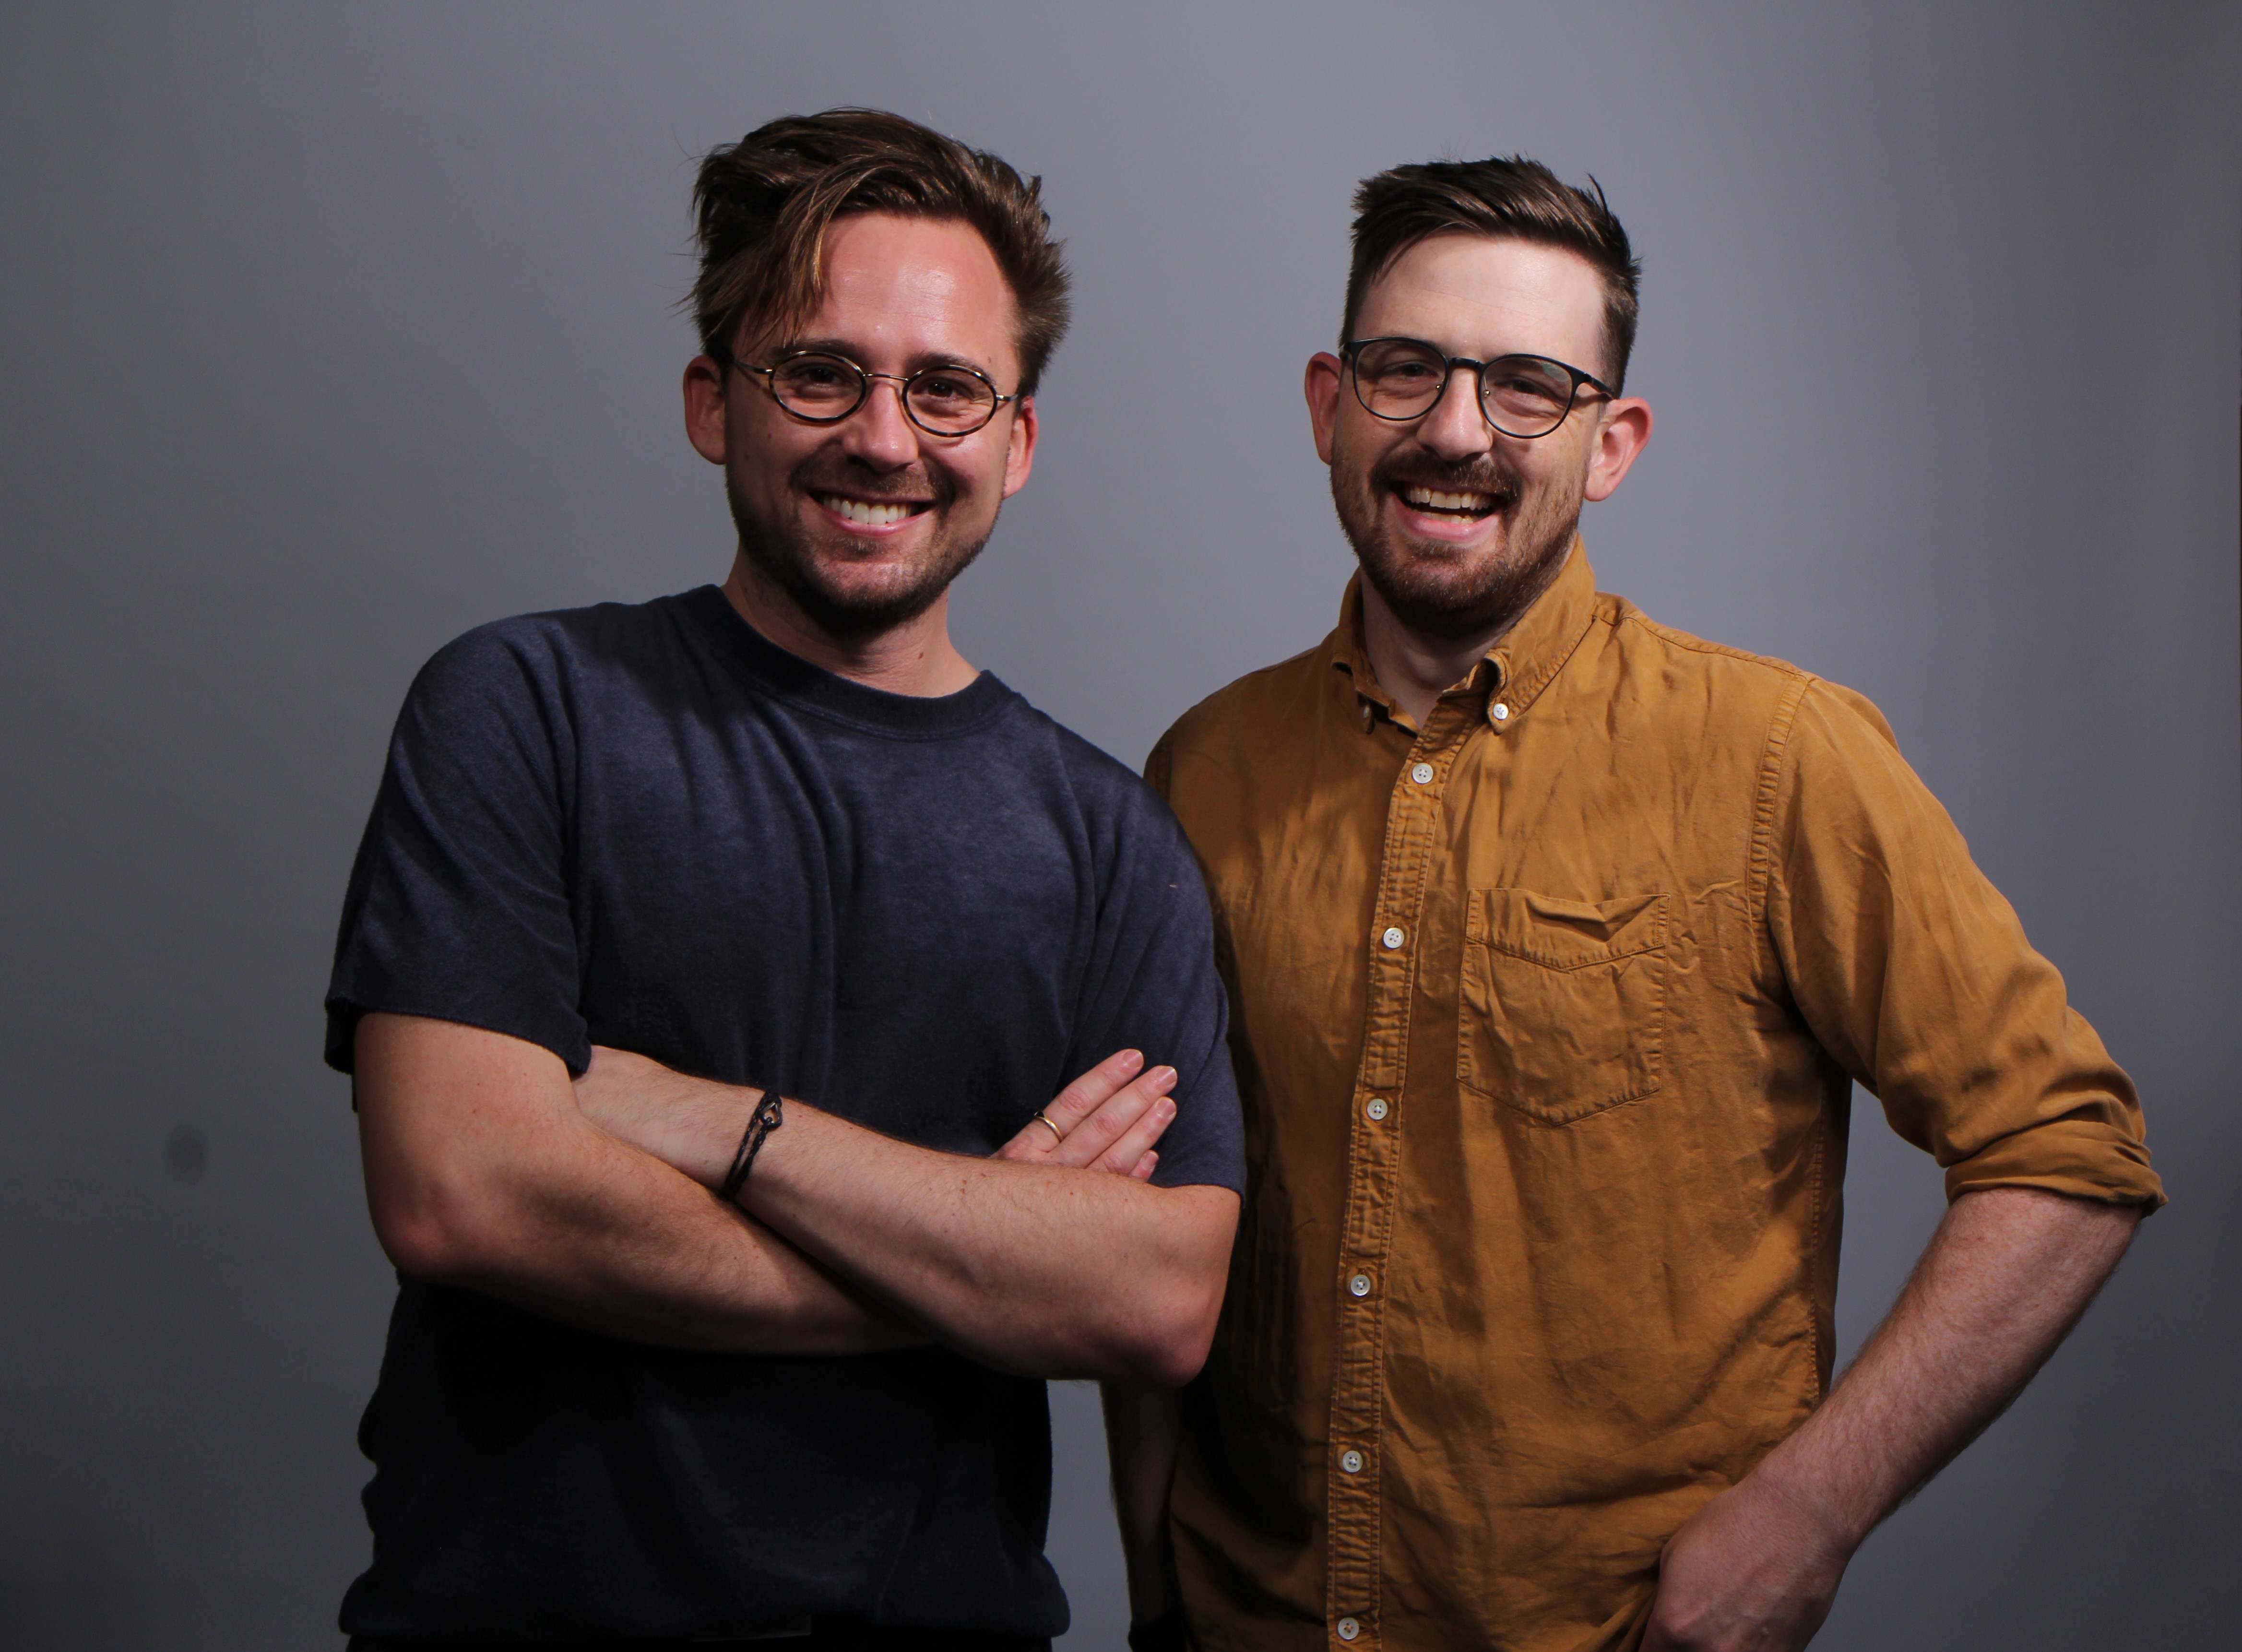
(1521, 396)
(822, 388)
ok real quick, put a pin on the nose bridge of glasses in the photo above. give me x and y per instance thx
(903, 393)
(1453, 368)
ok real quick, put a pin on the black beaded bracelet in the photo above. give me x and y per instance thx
(768, 1117)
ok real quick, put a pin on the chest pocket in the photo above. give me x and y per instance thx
(1564, 1002)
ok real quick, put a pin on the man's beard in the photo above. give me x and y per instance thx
(786, 558)
(1439, 590)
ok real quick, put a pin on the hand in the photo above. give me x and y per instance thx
(1754, 1570)
(1107, 1119)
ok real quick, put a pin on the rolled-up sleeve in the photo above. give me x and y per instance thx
(1914, 973)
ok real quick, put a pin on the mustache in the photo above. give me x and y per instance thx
(913, 484)
(1478, 475)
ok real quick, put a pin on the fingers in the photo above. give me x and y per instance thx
(1143, 1168)
(1134, 1142)
(1093, 1090)
(1106, 1119)
(1040, 1144)
(1097, 1141)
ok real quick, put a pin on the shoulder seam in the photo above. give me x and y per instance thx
(1632, 615)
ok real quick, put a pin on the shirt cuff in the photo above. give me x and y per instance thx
(2082, 1158)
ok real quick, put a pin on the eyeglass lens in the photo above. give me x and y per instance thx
(1523, 395)
(947, 401)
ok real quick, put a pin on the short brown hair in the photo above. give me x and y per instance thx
(762, 206)
(1509, 198)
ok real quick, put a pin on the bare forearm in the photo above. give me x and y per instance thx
(651, 1257)
(1144, 1437)
(1046, 1271)
(1037, 1268)
(481, 1174)
(2008, 1274)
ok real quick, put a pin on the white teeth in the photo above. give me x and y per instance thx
(855, 510)
(1428, 499)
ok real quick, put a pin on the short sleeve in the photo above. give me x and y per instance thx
(1151, 985)
(457, 907)
(1915, 975)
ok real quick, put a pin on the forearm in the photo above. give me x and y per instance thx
(1033, 1268)
(1144, 1437)
(1044, 1271)
(481, 1174)
(633, 1250)
(2008, 1274)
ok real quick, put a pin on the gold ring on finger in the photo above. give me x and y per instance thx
(1057, 1135)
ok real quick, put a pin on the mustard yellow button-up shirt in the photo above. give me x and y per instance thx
(1545, 1017)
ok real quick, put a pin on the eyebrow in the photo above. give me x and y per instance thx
(843, 347)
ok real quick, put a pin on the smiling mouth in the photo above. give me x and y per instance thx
(872, 512)
(1460, 506)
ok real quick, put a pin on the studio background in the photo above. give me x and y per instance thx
(327, 332)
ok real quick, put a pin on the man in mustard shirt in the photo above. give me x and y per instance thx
(1556, 940)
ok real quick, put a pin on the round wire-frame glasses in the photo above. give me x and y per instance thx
(823, 387)
(1523, 396)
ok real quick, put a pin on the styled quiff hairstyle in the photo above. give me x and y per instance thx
(1515, 199)
(762, 206)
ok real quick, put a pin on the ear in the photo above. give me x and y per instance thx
(1020, 447)
(1324, 371)
(705, 407)
(1622, 432)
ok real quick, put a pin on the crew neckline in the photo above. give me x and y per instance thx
(800, 682)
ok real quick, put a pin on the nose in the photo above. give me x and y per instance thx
(878, 433)
(1456, 428)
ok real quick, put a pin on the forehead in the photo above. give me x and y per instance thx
(1476, 296)
(901, 289)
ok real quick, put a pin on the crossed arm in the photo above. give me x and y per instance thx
(589, 1203)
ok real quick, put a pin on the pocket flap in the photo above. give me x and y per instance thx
(1566, 935)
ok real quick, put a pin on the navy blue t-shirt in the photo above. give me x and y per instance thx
(649, 828)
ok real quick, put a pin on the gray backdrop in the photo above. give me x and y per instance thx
(331, 331)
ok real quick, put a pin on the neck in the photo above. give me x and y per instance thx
(915, 657)
(1416, 668)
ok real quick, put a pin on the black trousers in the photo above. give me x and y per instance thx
(826, 1635)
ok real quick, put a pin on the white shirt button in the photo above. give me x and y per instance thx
(1359, 1285)
(1392, 939)
(1348, 1628)
(1422, 773)
(1501, 712)
(1376, 1109)
(1352, 1461)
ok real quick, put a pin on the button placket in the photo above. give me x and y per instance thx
(1374, 1169)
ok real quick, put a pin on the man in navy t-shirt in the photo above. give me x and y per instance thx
(707, 973)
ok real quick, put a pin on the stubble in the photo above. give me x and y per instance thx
(856, 609)
(1443, 591)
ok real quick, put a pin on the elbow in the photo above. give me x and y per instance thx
(1174, 1333)
(433, 1236)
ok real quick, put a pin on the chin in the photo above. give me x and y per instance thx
(1444, 590)
(847, 594)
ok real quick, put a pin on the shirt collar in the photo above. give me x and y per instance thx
(1516, 670)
